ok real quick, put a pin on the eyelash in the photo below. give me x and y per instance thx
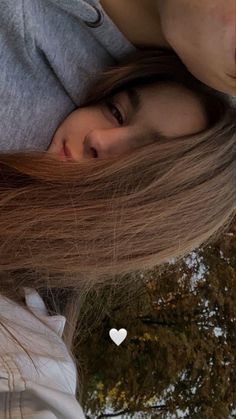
(117, 114)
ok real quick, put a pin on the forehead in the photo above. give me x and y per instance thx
(170, 109)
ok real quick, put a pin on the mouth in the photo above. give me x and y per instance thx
(65, 153)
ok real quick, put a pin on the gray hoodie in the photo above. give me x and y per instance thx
(49, 51)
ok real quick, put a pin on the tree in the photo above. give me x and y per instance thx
(180, 353)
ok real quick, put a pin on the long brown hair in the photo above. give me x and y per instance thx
(66, 227)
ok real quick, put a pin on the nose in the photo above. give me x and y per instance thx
(100, 144)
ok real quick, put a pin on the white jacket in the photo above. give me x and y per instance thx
(47, 392)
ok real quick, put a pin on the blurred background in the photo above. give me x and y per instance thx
(179, 357)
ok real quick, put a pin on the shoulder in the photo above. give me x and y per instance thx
(27, 366)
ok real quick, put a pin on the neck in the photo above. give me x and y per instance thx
(138, 20)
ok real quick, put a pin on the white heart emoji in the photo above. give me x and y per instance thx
(118, 336)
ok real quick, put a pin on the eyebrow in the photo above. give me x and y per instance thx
(134, 99)
(136, 104)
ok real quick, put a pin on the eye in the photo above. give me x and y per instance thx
(115, 112)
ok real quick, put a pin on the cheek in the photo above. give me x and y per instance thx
(86, 118)
(77, 122)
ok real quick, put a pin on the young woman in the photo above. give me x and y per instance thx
(50, 49)
(151, 175)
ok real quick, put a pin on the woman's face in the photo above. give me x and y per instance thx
(128, 120)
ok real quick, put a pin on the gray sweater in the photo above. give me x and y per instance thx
(49, 52)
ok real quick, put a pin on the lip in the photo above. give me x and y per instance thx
(65, 152)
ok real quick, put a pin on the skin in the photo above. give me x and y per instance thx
(201, 32)
(106, 130)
